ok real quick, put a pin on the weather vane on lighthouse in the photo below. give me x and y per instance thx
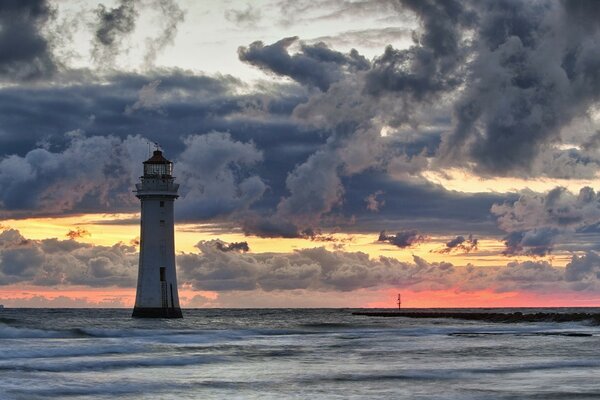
(157, 294)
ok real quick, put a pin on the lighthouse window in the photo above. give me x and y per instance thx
(162, 222)
(162, 204)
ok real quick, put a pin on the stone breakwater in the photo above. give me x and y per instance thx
(507, 317)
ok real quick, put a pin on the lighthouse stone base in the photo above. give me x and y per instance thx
(159, 312)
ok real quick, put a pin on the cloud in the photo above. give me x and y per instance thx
(219, 267)
(374, 203)
(315, 65)
(91, 173)
(25, 53)
(234, 246)
(460, 244)
(111, 26)
(215, 173)
(171, 15)
(52, 262)
(246, 18)
(98, 173)
(148, 99)
(322, 270)
(77, 233)
(524, 84)
(535, 222)
(366, 37)
(402, 239)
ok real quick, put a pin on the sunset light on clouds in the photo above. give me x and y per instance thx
(330, 154)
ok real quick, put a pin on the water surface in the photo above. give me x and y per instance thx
(291, 353)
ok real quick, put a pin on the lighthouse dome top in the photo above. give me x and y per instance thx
(158, 165)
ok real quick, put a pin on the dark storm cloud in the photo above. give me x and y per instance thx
(352, 104)
(433, 64)
(297, 158)
(253, 155)
(315, 65)
(24, 51)
(98, 172)
(402, 239)
(523, 84)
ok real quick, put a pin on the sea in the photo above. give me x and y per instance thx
(292, 354)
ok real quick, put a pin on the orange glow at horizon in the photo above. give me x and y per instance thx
(90, 296)
(456, 298)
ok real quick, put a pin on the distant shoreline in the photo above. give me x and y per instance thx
(510, 317)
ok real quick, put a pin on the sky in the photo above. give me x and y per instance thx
(330, 153)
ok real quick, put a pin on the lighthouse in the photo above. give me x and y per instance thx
(157, 295)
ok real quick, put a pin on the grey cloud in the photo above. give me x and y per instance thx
(584, 270)
(366, 37)
(247, 17)
(460, 244)
(433, 64)
(354, 108)
(322, 270)
(78, 232)
(95, 173)
(315, 269)
(52, 262)
(297, 11)
(148, 99)
(234, 246)
(171, 15)
(98, 173)
(24, 51)
(315, 65)
(375, 201)
(215, 172)
(111, 26)
(534, 242)
(402, 239)
(535, 222)
(525, 85)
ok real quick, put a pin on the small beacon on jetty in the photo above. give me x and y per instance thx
(157, 295)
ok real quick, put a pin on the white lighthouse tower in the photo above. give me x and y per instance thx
(157, 281)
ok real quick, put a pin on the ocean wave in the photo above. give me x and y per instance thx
(111, 363)
(14, 332)
(62, 351)
(10, 332)
(479, 334)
